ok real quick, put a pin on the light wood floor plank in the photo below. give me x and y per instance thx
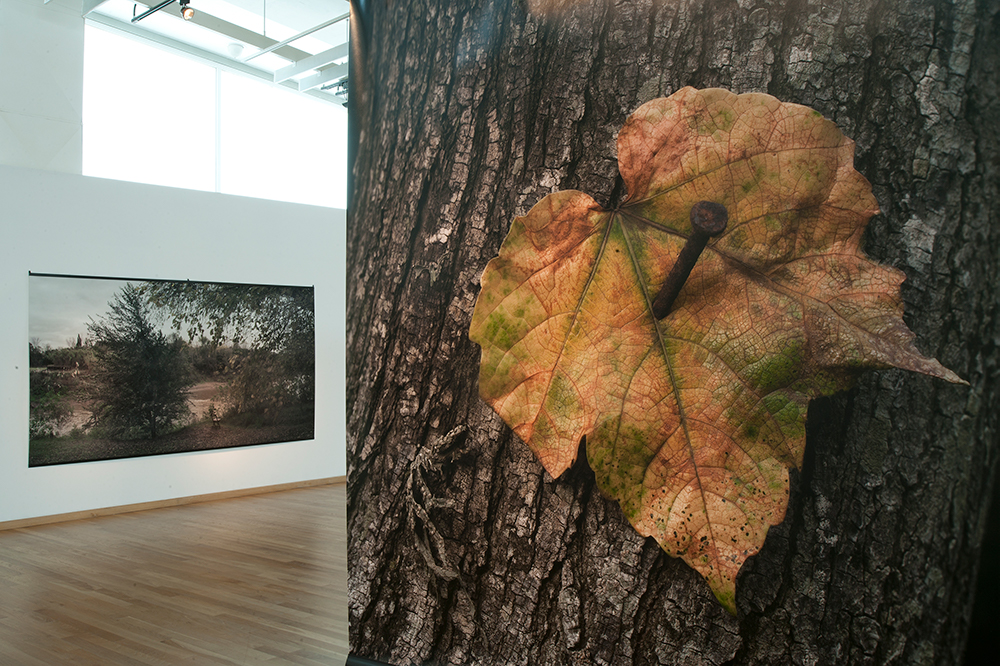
(252, 580)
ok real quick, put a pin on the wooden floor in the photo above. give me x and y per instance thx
(252, 580)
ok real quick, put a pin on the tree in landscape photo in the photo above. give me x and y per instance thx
(48, 409)
(140, 384)
(166, 367)
(265, 333)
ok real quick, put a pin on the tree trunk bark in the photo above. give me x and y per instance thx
(461, 549)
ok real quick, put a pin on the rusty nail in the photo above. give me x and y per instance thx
(707, 219)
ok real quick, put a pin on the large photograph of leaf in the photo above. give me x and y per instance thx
(125, 368)
(692, 421)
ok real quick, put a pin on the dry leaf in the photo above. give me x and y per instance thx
(693, 421)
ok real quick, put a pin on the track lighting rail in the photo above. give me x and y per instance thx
(151, 10)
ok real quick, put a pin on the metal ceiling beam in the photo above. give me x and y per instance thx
(302, 61)
(241, 34)
(323, 76)
(223, 61)
(304, 33)
(312, 62)
(223, 27)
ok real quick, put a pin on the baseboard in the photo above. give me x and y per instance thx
(159, 504)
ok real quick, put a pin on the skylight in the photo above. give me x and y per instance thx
(248, 36)
(156, 116)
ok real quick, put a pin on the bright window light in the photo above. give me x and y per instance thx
(148, 115)
(153, 116)
(278, 144)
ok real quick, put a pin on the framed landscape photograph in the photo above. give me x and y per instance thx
(122, 368)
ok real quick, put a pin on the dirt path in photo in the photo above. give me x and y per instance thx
(200, 397)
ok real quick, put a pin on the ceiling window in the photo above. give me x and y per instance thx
(156, 114)
(265, 130)
(149, 116)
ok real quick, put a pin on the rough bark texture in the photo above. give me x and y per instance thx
(462, 550)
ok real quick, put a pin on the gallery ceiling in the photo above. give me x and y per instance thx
(301, 44)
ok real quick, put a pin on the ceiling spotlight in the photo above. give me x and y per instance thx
(186, 10)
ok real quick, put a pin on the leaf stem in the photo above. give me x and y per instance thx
(707, 219)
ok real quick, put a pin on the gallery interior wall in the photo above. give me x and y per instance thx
(41, 84)
(54, 220)
(65, 223)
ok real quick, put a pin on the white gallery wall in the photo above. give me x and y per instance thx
(70, 224)
(41, 84)
(53, 220)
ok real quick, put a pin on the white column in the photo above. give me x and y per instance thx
(41, 84)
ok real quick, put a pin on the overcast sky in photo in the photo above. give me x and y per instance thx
(59, 308)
